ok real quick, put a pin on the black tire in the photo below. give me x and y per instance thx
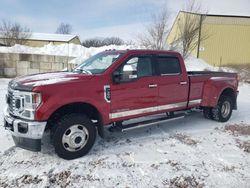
(63, 126)
(223, 111)
(207, 112)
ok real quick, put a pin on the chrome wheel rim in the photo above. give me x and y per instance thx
(75, 138)
(225, 109)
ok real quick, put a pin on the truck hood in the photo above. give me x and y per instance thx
(27, 83)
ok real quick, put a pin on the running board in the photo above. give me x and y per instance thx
(145, 123)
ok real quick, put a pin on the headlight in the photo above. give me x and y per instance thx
(26, 104)
(32, 100)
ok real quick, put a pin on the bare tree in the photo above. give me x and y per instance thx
(64, 28)
(156, 32)
(13, 33)
(189, 27)
(112, 40)
(95, 42)
(98, 42)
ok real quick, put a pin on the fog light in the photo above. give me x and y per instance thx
(26, 113)
(22, 127)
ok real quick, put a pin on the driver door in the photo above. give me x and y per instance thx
(136, 92)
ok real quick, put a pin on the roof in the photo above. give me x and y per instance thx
(142, 51)
(50, 37)
(216, 15)
(221, 19)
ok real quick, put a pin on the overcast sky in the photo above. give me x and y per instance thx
(102, 18)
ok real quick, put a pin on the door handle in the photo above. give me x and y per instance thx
(152, 85)
(183, 83)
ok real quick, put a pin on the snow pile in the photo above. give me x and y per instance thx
(81, 53)
(194, 64)
(72, 50)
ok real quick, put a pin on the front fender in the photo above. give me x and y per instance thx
(55, 102)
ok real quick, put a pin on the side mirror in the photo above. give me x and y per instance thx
(128, 74)
(116, 77)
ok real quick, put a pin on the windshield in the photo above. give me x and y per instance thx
(98, 63)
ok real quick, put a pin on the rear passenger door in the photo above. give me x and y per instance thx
(172, 83)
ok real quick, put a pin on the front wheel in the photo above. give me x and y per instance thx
(223, 111)
(73, 136)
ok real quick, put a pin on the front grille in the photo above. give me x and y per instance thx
(17, 103)
(11, 101)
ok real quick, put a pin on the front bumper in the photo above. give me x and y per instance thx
(26, 134)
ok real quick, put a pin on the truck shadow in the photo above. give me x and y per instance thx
(191, 122)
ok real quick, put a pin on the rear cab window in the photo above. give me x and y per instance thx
(168, 65)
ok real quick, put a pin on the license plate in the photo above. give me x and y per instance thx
(8, 119)
(6, 125)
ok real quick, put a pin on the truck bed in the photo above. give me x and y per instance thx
(197, 80)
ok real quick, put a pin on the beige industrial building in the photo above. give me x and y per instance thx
(41, 39)
(228, 41)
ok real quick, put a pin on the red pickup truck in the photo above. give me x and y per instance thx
(110, 88)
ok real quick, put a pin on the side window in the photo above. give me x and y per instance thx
(136, 67)
(169, 65)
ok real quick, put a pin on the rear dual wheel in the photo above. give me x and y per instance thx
(207, 112)
(222, 111)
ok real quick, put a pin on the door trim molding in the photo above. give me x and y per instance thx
(151, 109)
(193, 102)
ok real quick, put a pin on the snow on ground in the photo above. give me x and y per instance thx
(192, 150)
(6, 140)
